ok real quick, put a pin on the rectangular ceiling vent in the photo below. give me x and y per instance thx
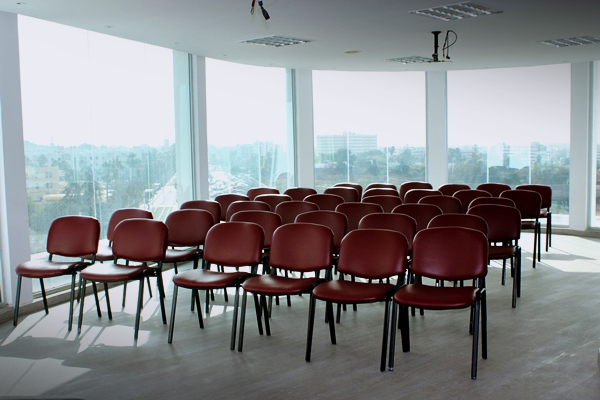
(574, 41)
(457, 11)
(276, 41)
(410, 60)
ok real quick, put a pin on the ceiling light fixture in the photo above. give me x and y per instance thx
(457, 11)
(276, 41)
(574, 41)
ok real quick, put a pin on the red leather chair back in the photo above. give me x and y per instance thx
(141, 240)
(188, 227)
(355, 211)
(347, 193)
(257, 191)
(380, 192)
(414, 195)
(448, 204)
(394, 222)
(273, 199)
(211, 206)
(388, 203)
(226, 199)
(124, 213)
(73, 236)
(244, 205)
(528, 202)
(289, 210)
(422, 213)
(467, 196)
(299, 193)
(302, 247)
(325, 201)
(449, 189)
(356, 186)
(462, 220)
(504, 223)
(406, 186)
(493, 188)
(502, 201)
(268, 221)
(234, 244)
(336, 221)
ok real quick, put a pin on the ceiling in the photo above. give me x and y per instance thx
(377, 29)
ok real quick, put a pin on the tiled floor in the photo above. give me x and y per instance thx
(545, 348)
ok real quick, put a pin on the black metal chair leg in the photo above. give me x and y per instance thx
(475, 340)
(82, 292)
(107, 301)
(17, 300)
(161, 295)
(242, 322)
(139, 309)
(384, 340)
(173, 309)
(393, 336)
(95, 289)
(329, 310)
(124, 293)
(263, 302)
(71, 301)
(311, 326)
(236, 302)
(404, 329)
(257, 309)
(44, 295)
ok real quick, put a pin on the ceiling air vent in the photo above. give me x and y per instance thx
(574, 41)
(410, 60)
(457, 11)
(276, 41)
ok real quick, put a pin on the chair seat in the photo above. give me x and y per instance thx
(204, 279)
(544, 213)
(176, 255)
(436, 298)
(104, 253)
(351, 292)
(501, 252)
(47, 269)
(528, 224)
(273, 285)
(112, 272)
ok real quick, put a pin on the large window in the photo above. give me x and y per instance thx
(98, 120)
(369, 127)
(511, 126)
(247, 127)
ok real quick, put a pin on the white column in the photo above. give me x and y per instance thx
(184, 143)
(200, 128)
(437, 128)
(300, 102)
(14, 218)
(582, 151)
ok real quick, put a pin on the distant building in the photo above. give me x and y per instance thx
(44, 181)
(330, 144)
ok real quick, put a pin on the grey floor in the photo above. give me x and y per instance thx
(545, 348)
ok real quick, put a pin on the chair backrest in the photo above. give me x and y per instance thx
(234, 244)
(468, 195)
(380, 192)
(268, 221)
(336, 221)
(354, 211)
(373, 254)
(212, 206)
(414, 195)
(422, 213)
(226, 199)
(449, 189)
(528, 202)
(140, 240)
(450, 253)
(299, 193)
(544, 191)
(504, 222)
(462, 220)
(395, 222)
(122, 214)
(244, 205)
(503, 201)
(73, 236)
(349, 194)
(406, 186)
(256, 191)
(188, 227)
(381, 185)
(448, 204)
(493, 188)
(386, 202)
(273, 199)
(325, 201)
(289, 210)
(356, 186)
(302, 247)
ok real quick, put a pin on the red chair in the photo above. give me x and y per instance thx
(326, 202)
(501, 201)
(448, 204)
(138, 241)
(371, 254)
(452, 254)
(381, 185)
(211, 206)
(422, 213)
(414, 195)
(355, 211)
(273, 199)
(232, 244)
(449, 189)
(529, 204)
(356, 186)
(461, 220)
(350, 195)
(545, 213)
(468, 195)
(291, 209)
(493, 188)
(336, 221)
(298, 247)
(388, 203)
(504, 232)
(71, 236)
(406, 186)
(394, 222)
(381, 192)
(253, 192)
(105, 249)
(187, 233)
(226, 199)
(268, 221)
(299, 193)
(245, 205)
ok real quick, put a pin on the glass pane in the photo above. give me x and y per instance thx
(369, 127)
(98, 120)
(247, 127)
(512, 126)
(596, 183)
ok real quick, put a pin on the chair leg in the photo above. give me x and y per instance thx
(149, 286)
(386, 330)
(311, 326)
(95, 289)
(475, 340)
(539, 239)
(44, 295)
(518, 272)
(107, 301)
(139, 309)
(329, 311)
(17, 300)
(534, 255)
(71, 301)
(242, 322)
(503, 272)
(263, 302)
(199, 307)
(161, 295)
(404, 328)
(175, 267)
(549, 231)
(483, 305)
(393, 336)
(173, 309)
(257, 309)
(124, 293)
(513, 262)
(236, 302)
(82, 295)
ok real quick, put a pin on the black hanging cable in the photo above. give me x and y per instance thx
(446, 46)
(262, 9)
